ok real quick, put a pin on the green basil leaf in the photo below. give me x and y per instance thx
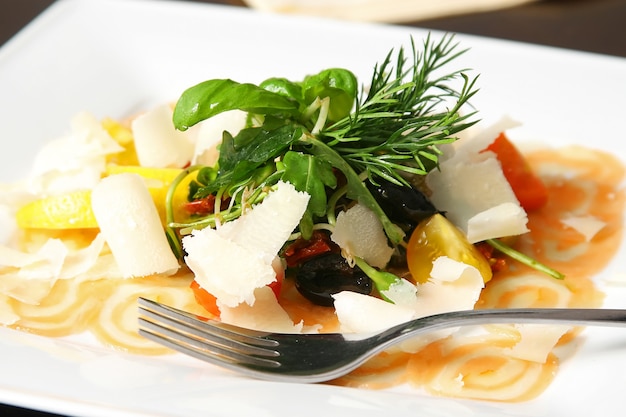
(306, 225)
(212, 97)
(284, 87)
(339, 84)
(252, 147)
(312, 175)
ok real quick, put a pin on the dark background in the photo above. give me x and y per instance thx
(585, 25)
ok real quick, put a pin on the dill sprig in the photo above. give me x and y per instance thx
(407, 112)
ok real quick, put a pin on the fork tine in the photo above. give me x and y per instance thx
(201, 349)
(190, 336)
(193, 330)
(213, 327)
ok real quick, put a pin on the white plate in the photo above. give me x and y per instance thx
(113, 57)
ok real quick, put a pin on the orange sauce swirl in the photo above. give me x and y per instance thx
(580, 181)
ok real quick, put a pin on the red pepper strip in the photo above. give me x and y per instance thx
(302, 250)
(204, 206)
(209, 302)
(205, 298)
(527, 186)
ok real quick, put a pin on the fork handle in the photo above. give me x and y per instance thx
(571, 316)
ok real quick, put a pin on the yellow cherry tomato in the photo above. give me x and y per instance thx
(435, 237)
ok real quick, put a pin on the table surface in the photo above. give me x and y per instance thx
(586, 25)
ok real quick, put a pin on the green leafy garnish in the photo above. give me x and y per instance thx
(213, 97)
(313, 175)
(324, 129)
(329, 137)
(306, 131)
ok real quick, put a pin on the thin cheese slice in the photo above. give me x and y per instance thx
(359, 232)
(453, 286)
(265, 314)
(588, 226)
(73, 162)
(131, 226)
(29, 276)
(473, 192)
(209, 133)
(537, 341)
(359, 313)
(266, 227)
(229, 271)
(233, 260)
(158, 143)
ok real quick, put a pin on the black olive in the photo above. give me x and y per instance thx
(405, 206)
(325, 275)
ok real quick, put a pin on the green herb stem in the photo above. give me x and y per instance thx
(524, 259)
(382, 280)
(356, 189)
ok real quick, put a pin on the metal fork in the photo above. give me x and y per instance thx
(322, 357)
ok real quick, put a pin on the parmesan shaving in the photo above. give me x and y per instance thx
(158, 143)
(29, 276)
(45, 264)
(588, 226)
(209, 132)
(536, 341)
(491, 222)
(359, 313)
(265, 315)
(359, 233)
(473, 191)
(105, 267)
(131, 226)
(37, 271)
(76, 161)
(469, 193)
(471, 148)
(454, 286)
(402, 292)
(266, 227)
(252, 240)
(227, 270)
(80, 261)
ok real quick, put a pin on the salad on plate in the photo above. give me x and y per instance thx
(316, 205)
